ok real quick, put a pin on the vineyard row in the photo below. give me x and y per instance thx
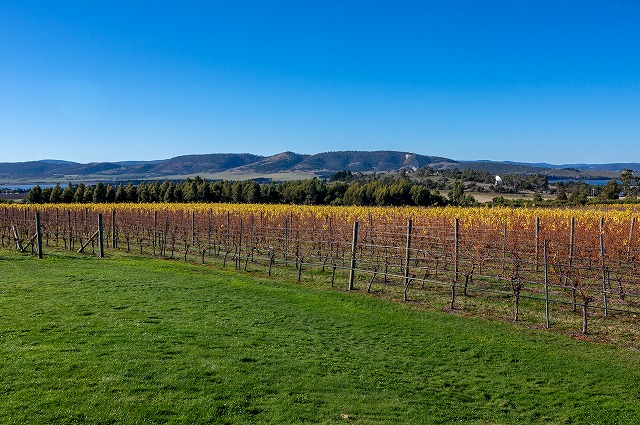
(589, 262)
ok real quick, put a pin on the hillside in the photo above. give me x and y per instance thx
(285, 165)
(363, 162)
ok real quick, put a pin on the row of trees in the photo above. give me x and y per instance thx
(580, 192)
(343, 188)
(387, 192)
(445, 178)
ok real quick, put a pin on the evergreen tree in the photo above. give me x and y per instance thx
(111, 194)
(456, 194)
(131, 193)
(121, 195)
(335, 193)
(252, 192)
(99, 194)
(354, 195)
(67, 194)
(226, 191)
(629, 183)
(178, 193)
(144, 195)
(88, 195)
(420, 195)
(56, 194)
(204, 192)
(154, 191)
(78, 196)
(162, 191)
(237, 196)
(610, 190)
(457, 197)
(169, 193)
(562, 194)
(269, 193)
(190, 193)
(400, 192)
(46, 194)
(34, 196)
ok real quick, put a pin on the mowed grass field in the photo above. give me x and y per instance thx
(142, 341)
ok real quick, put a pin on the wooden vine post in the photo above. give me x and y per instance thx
(286, 239)
(537, 247)
(633, 223)
(228, 230)
(57, 224)
(16, 238)
(407, 259)
(604, 269)
(70, 234)
(100, 235)
(239, 250)
(39, 234)
(354, 246)
(504, 249)
(566, 278)
(371, 235)
(456, 245)
(546, 285)
(114, 243)
(155, 231)
(193, 228)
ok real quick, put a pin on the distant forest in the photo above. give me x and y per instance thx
(424, 187)
(399, 191)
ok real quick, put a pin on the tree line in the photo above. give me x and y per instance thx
(345, 188)
(379, 192)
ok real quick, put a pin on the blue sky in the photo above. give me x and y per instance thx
(535, 81)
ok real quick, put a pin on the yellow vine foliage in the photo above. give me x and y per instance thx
(617, 221)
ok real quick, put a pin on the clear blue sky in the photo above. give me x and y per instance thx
(526, 80)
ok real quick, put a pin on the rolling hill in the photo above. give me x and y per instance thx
(288, 164)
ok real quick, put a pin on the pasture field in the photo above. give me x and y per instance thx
(128, 339)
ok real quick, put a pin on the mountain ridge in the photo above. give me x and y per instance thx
(220, 165)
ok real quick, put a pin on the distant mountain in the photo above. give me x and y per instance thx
(562, 171)
(223, 165)
(30, 169)
(125, 163)
(56, 161)
(208, 163)
(612, 167)
(356, 161)
(282, 162)
(605, 167)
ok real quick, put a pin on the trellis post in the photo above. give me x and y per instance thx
(633, 223)
(354, 245)
(456, 230)
(537, 248)
(604, 273)
(571, 240)
(407, 259)
(39, 234)
(546, 285)
(70, 235)
(100, 235)
(113, 229)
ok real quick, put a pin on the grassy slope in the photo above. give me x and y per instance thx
(149, 341)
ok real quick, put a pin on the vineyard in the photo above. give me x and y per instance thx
(583, 260)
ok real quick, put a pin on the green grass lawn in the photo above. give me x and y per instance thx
(137, 340)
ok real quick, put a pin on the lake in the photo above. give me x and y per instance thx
(600, 182)
(27, 186)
